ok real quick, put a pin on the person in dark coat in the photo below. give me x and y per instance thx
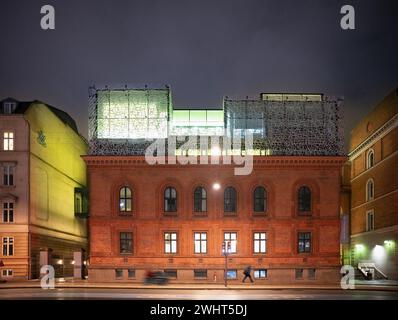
(247, 272)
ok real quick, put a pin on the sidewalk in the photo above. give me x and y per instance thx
(84, 284)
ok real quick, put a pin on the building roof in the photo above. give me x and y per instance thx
(23, 106)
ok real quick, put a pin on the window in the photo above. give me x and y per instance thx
(9, 107)
(125, 200)
(8, 141)
(170, 200)
(119, 273)
(260, 273)
(8, 246)
(200, 273)
(311, 274)
(260, 200)
(8, 175)
(171, 273)
(304, 199)
(126, 243)
(232, 238)
(170, 242)
(200, 239)
(370, 220)
(304, 242)
(299, 273)
(230, 200)
(200, 200)
(7, 273)
(370, 159)
(232, 274)
(260, 242)
(81, 202)
(8, 212)
(370, 189)
(131, 273)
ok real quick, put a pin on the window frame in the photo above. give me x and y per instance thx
(8, 212)
(122, 240)
(370, 213)
(304, 210)
(8, 175)
(166, 198)
(8, 142)
(200, 241)
(305, 240)
(370, 159)
(8, 246)
(264, 199)
(260, 240)
(370, 194)
(170, 241)
(231, 240)
(201, 199)
(258, 271)
(231, 195)
(125, 198)
(7, 273)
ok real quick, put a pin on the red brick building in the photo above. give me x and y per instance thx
(282, 219)
(281, 224)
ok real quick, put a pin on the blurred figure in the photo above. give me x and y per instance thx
(247, 274)
(156, 277)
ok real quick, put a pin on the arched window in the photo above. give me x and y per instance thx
(200, 199)
(230, 200)
(260, 199)
(370, 190)
(125, 198)
(170, 200)
(370, 159)
(304, 199)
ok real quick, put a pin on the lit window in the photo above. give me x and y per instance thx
(260, 242)
(230, 200)
(170, 242)
(200, 239)
(126, 243)
(260, 200)
(125, 199)
(304, 199)
(370, 220)
(232, 238)
(8, 141)
(370, 159)
(260, 273)
(232, 274)
(200, 199)
(8, 246)
(370, 189)
(8, 212)
(304, 242)
(170, 200)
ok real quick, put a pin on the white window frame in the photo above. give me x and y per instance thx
(368, 163)
(7, 243)
(200, 242)
(9, 107)
(233, 240)
(7, 212)
(8, 141)
(260, 237)
(171, 244)
(7, 273)
(260, 273)
(369, 196)
(370, 213)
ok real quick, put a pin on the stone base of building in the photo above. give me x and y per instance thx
(274, 276)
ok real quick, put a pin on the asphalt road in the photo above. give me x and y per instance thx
(174, 294)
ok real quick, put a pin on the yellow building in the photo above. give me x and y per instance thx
(42, 193)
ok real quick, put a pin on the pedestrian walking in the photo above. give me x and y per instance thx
(247, 272)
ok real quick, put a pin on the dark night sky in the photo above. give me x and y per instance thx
(202, 49)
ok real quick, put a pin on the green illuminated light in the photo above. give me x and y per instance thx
(359, 247)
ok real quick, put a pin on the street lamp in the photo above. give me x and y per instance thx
(226, 251)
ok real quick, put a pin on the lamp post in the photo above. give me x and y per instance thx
(226, 251)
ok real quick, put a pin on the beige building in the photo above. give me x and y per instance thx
(42, 192)
(374, 191)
